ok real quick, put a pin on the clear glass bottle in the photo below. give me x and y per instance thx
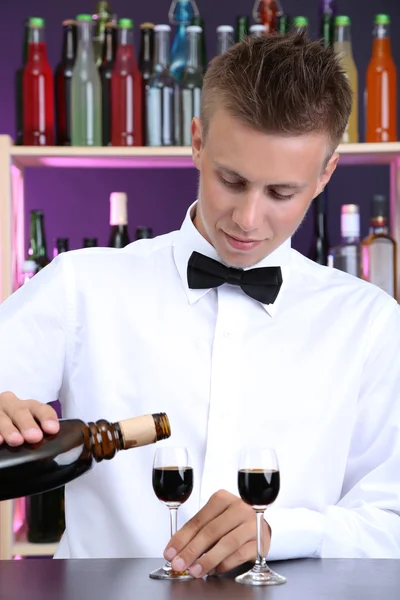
(378, 250)
(86, 90)
(347, 256)
(161, 93)
(181, 13)
(192, 83)
(258, 30)
(225, 38)
(343, 48)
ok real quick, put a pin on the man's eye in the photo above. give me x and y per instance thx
(235, 185)
(280, 196)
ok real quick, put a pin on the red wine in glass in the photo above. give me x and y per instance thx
(258, 487)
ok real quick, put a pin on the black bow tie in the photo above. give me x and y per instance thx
(262, 284)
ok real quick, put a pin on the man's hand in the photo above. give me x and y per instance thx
(220, 537)
(25, 420)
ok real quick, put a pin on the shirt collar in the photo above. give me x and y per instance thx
(189, 239)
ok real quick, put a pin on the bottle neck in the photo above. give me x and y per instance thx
(193, 50)
(146, 47)
(36, 35)
(110, 44)
(379, 225)
(224, 41)
(343, 34)
(37, 237)
(118, 210)
(85, 36)
(103, 439)
(69, 44)
(125, 37)
(381, 45)
(326, 30)
(162, 50)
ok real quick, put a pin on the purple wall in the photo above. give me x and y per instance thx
(76, 201)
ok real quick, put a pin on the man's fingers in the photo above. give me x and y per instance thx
(47, 417)
(230, 545)
(217, 504)
(247, 553)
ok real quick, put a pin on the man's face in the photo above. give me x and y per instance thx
(254, 188)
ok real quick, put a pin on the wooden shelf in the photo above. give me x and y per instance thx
(168, 157)
(103, 157)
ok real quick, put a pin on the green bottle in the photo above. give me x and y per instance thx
(199, 21)
(101, 17)
(300, 24)
(283, 24)
(86, 113)
(242, 28)
(38, 247)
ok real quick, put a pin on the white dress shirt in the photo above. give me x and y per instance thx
(316, 375)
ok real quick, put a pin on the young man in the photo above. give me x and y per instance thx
(297, 357)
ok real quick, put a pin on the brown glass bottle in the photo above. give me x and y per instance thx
(35, 468)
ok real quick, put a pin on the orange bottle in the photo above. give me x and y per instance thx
(381, 88)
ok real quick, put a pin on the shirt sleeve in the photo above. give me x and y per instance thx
(365, 523)
(33, 336)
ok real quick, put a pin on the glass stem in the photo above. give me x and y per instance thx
(173, 517)
(260, 561)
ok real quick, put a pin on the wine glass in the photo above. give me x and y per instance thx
(259, 482)
(172, 484)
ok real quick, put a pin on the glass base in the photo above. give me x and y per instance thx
(166, 572)
(260, 575)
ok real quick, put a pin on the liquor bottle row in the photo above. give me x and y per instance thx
(372, 259)
(100, 94)
(119, 236)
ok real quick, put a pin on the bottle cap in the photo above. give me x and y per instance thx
(225, 29)
(342, 20)
(382, 19)
(29, 266)
(36, 22)
(300, 22)
(162, 28)
(125, 24)
(350, 220)
(194, 29)
(380, 206)
(68, 23)
(147, 26)
(257, 27)
(118, 208)
(84, 18)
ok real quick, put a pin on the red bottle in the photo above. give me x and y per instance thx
(126, 92)
(266, 12)
(37, 90)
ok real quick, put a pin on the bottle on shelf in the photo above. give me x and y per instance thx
(378, 250)
(85, 89)
(381, 87)
(90, 242)
(160, 94)
(105, 70)
(320, 243)
(181, 13)
(146, 67)
(45, 517)
(62, 245)
(258, 30)
(37, 90)
(225, 38)
(192, 82)
(38, 247)
(58, 459)
(343, 48)
(28, 270)
(300, 24)
(347, 256)
(126, 91)
(283, 24)
(266, 12)
(101, 17)
(327, 13)
(242, 28)
(119, 235)
(199, 21)
(19, 129)
(63, 77)
(143, 233)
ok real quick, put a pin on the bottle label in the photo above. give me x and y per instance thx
(378, 262)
